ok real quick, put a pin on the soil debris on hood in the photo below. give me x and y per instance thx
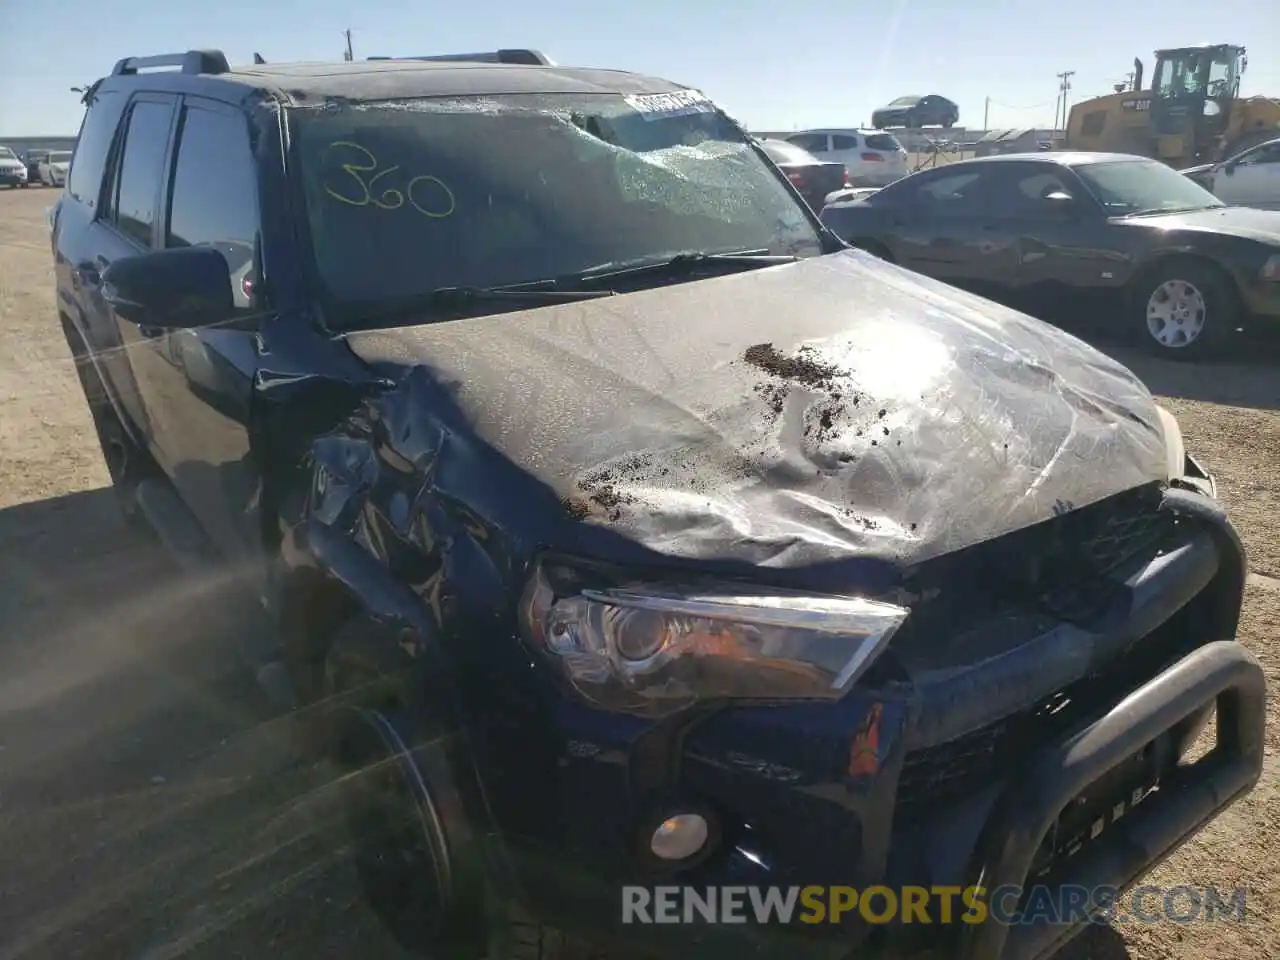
(823, 420)
(802, 368)
(600, 495)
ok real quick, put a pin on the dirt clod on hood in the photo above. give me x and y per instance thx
(600, 494)
(802, 368)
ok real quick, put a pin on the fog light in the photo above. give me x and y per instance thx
(679, 837)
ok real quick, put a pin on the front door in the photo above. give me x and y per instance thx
(196, 384)
(1253, 180)
(126, 226)
(1069, 256)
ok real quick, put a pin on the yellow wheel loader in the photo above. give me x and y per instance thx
(1192, 113)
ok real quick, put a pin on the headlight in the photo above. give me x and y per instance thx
(1174, 450)
(1271, 269)
(650, 648)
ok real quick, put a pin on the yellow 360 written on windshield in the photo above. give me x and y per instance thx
(365, 185)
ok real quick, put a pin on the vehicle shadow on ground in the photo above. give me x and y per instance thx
(153, 806)
(1246, 375)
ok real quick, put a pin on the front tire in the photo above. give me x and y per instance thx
(1184, 310)
(432, 901)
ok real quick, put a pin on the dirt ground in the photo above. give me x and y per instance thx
(151, 807)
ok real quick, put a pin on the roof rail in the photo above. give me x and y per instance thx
(192, 61)
(533, 58)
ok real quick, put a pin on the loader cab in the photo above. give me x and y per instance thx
(1192, 90)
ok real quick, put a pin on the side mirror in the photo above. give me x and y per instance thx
(1061, 203)
(171, 289)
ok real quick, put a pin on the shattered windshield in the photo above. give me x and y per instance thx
(410, 196)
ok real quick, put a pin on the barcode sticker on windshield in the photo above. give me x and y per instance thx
(659, 106)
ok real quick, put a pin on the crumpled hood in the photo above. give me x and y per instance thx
(832, 408)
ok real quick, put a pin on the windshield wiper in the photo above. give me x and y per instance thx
(444, 303)
(683, 262)
(534, 294)
(1156, 211)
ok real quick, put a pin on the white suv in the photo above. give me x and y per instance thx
(872, 157)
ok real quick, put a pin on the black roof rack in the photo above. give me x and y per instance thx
(192, 61)
(531, 58)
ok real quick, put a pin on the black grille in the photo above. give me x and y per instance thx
(1081, 553)
(933, 777)
(1067, 564)
(1064, 567)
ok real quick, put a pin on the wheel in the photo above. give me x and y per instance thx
(419, 875)
(25, 184)
(1184, 310)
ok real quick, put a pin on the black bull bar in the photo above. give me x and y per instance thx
(1223, 673)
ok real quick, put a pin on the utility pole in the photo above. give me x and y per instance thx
(1064, 91)
(348, 55)
(986, 111)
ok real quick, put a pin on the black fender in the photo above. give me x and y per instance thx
(381, 621)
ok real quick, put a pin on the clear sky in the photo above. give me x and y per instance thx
(773, 65)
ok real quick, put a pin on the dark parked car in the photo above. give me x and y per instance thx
(813, 178)
(674, 544)
(914, 111)
(1070, 233)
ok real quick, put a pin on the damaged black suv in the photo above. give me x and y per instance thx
(632, 529)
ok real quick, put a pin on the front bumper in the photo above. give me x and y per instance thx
(12, 177)
(803, 827)
(1221, 674)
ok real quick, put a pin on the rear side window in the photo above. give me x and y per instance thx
(957, 194)
(90, 160)
(215, 192)
(137, 193)
(883, 141)
(812, 142)
(781, 152)
(844, 142)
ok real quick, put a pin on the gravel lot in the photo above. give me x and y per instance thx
(150, 805)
